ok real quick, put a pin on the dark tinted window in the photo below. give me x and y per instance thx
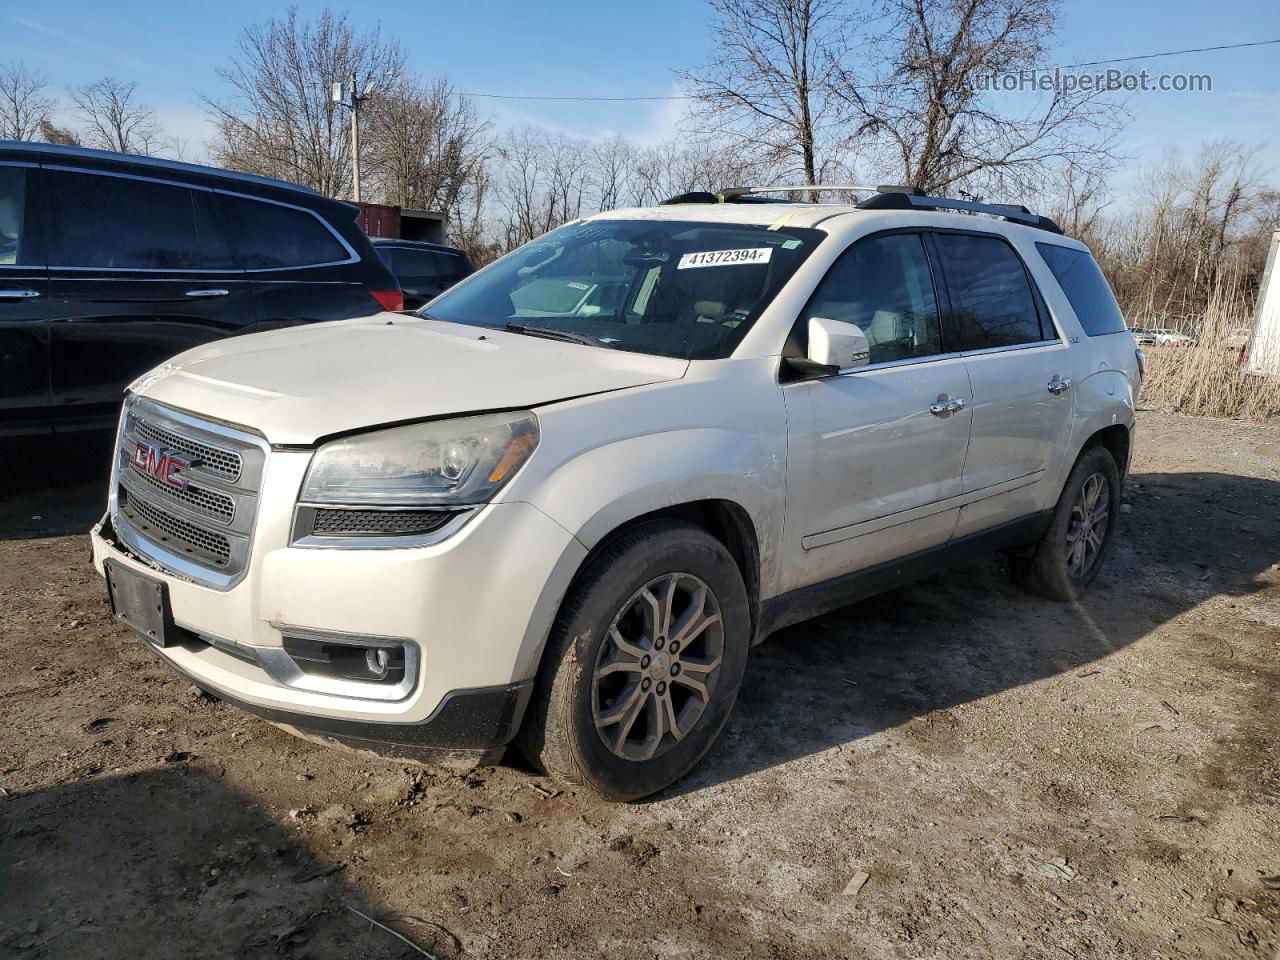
(122, 223)
(991, 300)
(12, 183)
(269, 236)
(884, 286)
(1086, 288)
(417, 264)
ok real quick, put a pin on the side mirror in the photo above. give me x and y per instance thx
(836, 344)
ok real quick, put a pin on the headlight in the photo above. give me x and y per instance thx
(445, 462)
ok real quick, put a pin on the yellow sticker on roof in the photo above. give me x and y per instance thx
(725, 258)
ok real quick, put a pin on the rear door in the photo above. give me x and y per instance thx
(24, 304)
(1020, 368)
(876, 455)
(139, 271)
(301, 269)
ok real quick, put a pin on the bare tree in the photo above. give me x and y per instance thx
(426, 146)
(769, 84)
(115, 120)
(23, 104)
(933, 121)
(282, 121)
(612, 164)
(543, 181)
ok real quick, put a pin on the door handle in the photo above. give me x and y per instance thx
(1059, 385)
(19, 294)
(955, 406)
(212, 292)
(942, 406)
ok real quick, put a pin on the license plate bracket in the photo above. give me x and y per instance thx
(141, 603)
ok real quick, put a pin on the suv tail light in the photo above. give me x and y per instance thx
(389, 299)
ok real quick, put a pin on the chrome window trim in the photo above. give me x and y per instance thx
(934, 358)
(352, 256)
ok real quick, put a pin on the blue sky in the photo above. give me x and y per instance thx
(621, 49)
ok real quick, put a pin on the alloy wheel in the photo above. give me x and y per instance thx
(657, 669)
(1087, 532)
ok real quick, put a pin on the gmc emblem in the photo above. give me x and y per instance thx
(161, 464)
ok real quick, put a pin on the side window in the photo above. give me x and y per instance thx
(991, 300)
(884, 285)
(12, 190)
(120, 223)
(1086, 288)
(415, 264)
(270, 236)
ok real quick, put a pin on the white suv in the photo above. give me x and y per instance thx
(560, 504)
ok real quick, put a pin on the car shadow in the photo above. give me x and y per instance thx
(53, 486)
(970, 633)
(175, 863)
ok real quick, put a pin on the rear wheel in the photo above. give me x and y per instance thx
(643, 664)
(1070, 553)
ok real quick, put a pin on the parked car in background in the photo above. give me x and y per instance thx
(1164, 337)
(110, 264)
(424, 270)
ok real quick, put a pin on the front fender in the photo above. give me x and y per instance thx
(604, 488)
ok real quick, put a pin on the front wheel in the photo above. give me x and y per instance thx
(643, 665)
(1069, 554)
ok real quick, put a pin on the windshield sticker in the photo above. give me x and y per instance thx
(725, 258)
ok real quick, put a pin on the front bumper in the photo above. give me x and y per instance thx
(475, 609)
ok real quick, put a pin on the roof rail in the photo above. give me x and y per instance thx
(920, 201)
(883, 197)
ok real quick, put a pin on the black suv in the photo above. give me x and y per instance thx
(111, 264)
(425, 270)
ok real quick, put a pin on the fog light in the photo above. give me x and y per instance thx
(332, 657)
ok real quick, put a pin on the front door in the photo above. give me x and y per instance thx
(139, 271)
(876, 455)
(1020, 369)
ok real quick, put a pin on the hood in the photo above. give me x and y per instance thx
(298, 385)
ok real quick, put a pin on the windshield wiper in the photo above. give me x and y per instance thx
(551, 333)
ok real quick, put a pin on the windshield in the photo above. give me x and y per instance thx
(673, 289)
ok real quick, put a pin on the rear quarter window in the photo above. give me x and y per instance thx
(1086, 288)
(269, 236)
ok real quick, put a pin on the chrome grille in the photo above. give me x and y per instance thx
(218, 506)
(203, 530)
(224, 463)
(166, 528)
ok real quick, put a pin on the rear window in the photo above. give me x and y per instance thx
(1086, 288)
(669, 288)
(269, 236)
(991, 300)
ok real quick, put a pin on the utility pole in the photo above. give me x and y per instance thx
(346, 94)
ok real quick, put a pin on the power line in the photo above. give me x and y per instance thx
(521, 96)
(1171, 53)
(1064, 66)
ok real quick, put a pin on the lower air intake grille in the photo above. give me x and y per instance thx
(175, 533)
(378, 523)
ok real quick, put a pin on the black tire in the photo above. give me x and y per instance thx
(1048, 569)
(559, 734)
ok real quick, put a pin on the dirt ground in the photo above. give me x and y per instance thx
(1017, 778)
